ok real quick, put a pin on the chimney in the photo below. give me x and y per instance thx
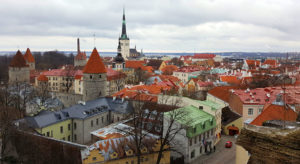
(78, 46)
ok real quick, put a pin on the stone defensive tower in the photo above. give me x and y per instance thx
(18, 70)
(94, 78)
(30, 61)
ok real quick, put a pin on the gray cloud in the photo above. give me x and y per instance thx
(167, 25)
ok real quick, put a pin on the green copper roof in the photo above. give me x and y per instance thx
(213, 105)
(197, 120)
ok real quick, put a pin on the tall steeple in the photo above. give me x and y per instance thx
(124, 34)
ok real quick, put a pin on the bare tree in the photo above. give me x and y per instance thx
(148, 118)
(69, 78)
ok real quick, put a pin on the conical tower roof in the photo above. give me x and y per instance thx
(18, 60)
(95, 64)
(28, 56)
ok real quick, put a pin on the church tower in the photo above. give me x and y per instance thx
(119, 62)
(94, 78)
(29, 59)
(18, 70)
(124, 40)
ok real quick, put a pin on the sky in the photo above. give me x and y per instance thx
(152, 25)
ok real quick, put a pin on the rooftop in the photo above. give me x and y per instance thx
(18, 60)
(94, 64)
(28, 56)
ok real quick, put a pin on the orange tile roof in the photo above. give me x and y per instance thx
(28, 56)
(42, 77)
(113, 75)
(95, 64)
(134, 64)
(80, 56)
(271, 62)
(230, 79)
(275, 112)
(222, 92)
(169, 68)
(18, 60)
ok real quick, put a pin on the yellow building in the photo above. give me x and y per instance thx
(162, 65)
(232, 122)
(122, 151)
(61, 130)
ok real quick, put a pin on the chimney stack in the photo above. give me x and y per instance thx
(78, 46)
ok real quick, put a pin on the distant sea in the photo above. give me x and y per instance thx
(256, 55)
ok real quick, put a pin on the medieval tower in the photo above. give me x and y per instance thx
(80, 58)
(94, 78)
(124, 40)
(29, 59)
(18, 70)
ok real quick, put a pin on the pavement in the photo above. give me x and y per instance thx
(222, 155)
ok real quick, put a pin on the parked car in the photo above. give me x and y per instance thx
(228, 144)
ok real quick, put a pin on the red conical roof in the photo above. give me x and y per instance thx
(18, 60)
(28, 56)
(42, 78)
(95, 64)
(80, 56)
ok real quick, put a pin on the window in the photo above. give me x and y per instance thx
(200, 107)
(69, 126)
(193, 154)
(91, 76)
(260, 110)
(51, 133)
(63, 138)
(191, 142)
(75, 137)
(69, 138)
(100, 76)
(75, 126)
(106, 117)
(250, 111)
(48, 134)
(94, 158)
(200, 149)
(102, 119)
(61, 129)
(118, 118)
(92, 123)
(97, 121)
(195, 140)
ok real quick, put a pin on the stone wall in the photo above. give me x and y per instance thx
(19, 74)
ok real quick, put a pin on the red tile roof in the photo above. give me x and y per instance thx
(271, 62)
(170, 68)
(63, 72)
(95, 64)
(204, 56)
(80, 56)
(253, 63)
(42, 78)
(28, 56)
(134, 64)
(18, 60)
(275, 112)
(112, 74)
(261, 96)
(222, 92)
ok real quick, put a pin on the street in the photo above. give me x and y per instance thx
(222, 155)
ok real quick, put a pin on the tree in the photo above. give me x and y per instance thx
(177, 62)
(148, 117)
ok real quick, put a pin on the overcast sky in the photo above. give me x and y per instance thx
(154, 25)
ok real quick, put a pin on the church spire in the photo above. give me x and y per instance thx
(124, 34)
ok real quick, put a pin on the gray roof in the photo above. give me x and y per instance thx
(79, 111)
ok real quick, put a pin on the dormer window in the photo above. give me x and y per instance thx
(99, 76)
(91, 76)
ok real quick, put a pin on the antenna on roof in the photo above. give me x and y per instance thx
(94, 35)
